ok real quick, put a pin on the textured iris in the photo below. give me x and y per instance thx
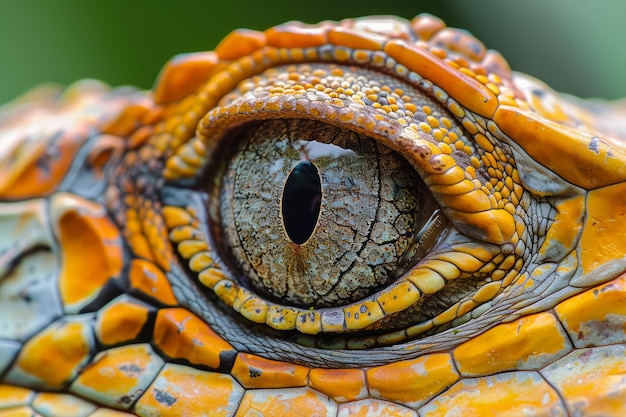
(315, 215)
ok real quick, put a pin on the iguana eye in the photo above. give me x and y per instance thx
(315, 215)
(407, 242)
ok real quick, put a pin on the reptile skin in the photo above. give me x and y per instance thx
(145, 268)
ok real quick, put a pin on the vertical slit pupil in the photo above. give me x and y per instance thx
(302, 197)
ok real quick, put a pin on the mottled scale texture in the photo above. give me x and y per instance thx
(467, 256)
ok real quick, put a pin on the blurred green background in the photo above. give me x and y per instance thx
(575, 46)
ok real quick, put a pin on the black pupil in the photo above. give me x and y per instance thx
(302, 197)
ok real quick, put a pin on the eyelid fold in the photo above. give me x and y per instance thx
(314, 43)
(384, 108)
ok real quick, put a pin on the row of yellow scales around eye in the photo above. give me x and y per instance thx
(119, 295)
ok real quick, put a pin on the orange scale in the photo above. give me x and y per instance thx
(361, 56)
(91, 249)
(341, 55)
(157, 239)
(464, 261)
(188, 248)
(145, 277)
(442, 54)
(460, 42)
(296, 54)
(439, 163)
(527, 343)
(520, 344)
(412, 382)
(286, 402)
(350, 38)
(529, 131)
(183, 74)
(184, 391)
(398, 297)
(240, 42)
(372, 408)
(362, 314)
(180, 334)
(153, 115)
(591, 381)
(120, 321)
(606, 207)
(255, 310)
(509, 394)
(281, 317)
(292, 36)
(341, 385)
(346, 115)
(475, 201)
(366, 121)
(211, 276)
(497, 226)
(425, 26)
(309, 321)
(221, 83)
(446, 270)
(469, 92)
(597, 316)
(140, 246)
(29, 170)
(117, 377)
(227, 291)
(140, 137)
(11, 396)
(462, 187)
(177, 165)
(128, 121)
(256, 372)
(451, 176)
(54, 404)
(55, 355)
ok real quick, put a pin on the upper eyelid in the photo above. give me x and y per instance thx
(197, 68)
(425, 45)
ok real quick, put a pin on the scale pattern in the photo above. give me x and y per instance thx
(116, 299)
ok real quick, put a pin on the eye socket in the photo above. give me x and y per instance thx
(315, 216)
(225, 214)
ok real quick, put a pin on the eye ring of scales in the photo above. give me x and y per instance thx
(492, 244)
